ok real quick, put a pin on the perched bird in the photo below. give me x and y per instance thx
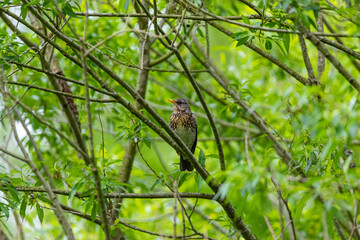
(183, 122)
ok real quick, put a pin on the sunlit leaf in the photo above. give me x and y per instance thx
(40, 213)
(202, 158)
(23, 208)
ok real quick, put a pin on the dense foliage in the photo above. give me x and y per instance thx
(275, 81)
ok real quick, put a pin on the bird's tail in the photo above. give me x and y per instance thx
(185, 164)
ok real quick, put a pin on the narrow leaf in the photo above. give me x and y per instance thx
(126, 5)
(74, 189)
(286, 41)
(268, 45)
(147, 142)
(40, 212)
(182, 178)
(89, 203)
(23, 208)
(67, 9)
(14, 193)
(202, 158)
(4, 210)
(155, 183)
(239, 35)
(300, 206)
(93, 212)
(246, 20)
(242, 41)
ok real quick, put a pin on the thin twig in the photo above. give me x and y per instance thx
(61, 93)
(193, 208)
(247, 136)
(207, 35)
(159, 195)
(147, 164)
(175, 208)
(354, 227)
(179, 28)
(338, 229)
(321, 57)
(165, 16)
(270, 228)
(291, 220)
(307, 62)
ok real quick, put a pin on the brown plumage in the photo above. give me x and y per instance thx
(183, 122)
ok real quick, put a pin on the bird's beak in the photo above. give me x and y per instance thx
(172, 101)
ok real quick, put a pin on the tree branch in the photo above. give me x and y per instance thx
(208, 196)
(307, 62)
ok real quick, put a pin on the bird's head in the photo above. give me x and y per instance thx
(180, 105)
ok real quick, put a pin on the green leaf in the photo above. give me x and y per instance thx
(199, 182)
(326, 150)
(147, 141)
(40, 212)
(4, 210)
(23, 11)
(89, 203)
(311, 22)
(87, 192)
(286, 41)
(246, 20)
(126, 5)
(155, 183)
(93, 212)
(202, 158)
(300, 206)
(20, 67)
(44, 199)
(74, 189)
(200, 32)
(238, 35)
(308, 165)
(67, 9)
(242, 41)
(268, 45)
(14, 193)
(23, 208)
(221, 194)
(281, 48)
(182, 178)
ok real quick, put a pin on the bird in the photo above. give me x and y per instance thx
(184, 123)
